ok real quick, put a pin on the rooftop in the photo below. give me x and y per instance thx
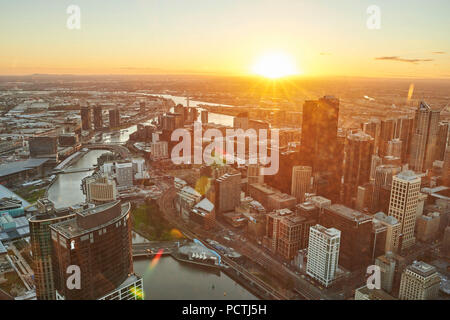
(349, 213)
(422, 268)
(19, 166)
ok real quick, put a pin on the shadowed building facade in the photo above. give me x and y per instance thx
(320, 146)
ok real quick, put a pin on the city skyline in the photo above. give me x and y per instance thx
(320, 38)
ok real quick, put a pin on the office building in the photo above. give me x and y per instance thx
(394, 148)
(403, 204)
(420, 281)
(254, 174)
(365, 293)
(393, 231)
(358, 156)
(98, 241)
(356, 228)
(121, 171)
(428, 226)
(203, 213)
(387, 129)
(446, 169)
(204, 116)
(383, 179)
(320, 145)
(387, 264)
(286, 232)
(271, 198)
(425, 137)
(159, 150)
(228, 192)
(301, 182)
(187, 198)
(443, 140)
(241, 121)
(323, 253)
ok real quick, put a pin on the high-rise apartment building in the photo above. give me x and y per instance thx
(301, 182)
(98, 241)
(42, 247)
(358, 156)
(98, 118)
(420, 281)
(114, 118)
(424, 142)
(323, 253)
(86, 120)
(403, 204)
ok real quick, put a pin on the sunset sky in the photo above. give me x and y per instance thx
(323, 38)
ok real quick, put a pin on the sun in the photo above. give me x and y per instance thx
(275, 65)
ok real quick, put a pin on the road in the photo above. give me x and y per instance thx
(166, 203)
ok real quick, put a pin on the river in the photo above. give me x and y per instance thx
(167, 279)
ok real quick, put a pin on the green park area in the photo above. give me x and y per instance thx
(149, 222)
(31, 193)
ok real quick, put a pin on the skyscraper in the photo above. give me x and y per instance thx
(323, 253)
(383, 178)
(98, 241)
(443, 140)
(425, 137)
(446, 168)
(114, 118)
(393, 230)
(403, 204)
(420, 281)
(301, 182)
(387, 268)
(387, 128)
(320, 147)
(358, 156)
(98, 118)
(86, 118)
(42, 247)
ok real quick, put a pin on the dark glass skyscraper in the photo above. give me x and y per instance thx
(320, 147)
(98, 241)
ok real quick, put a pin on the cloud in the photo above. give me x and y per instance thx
(400, 59)
(439, 52)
